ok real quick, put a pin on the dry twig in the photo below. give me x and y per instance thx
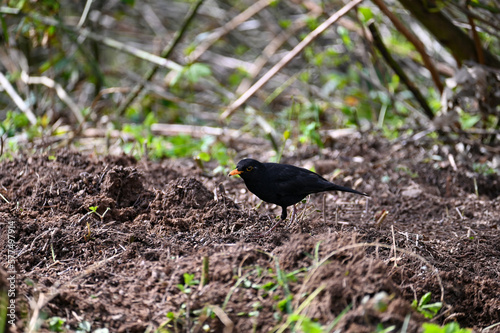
(17, 99)
(231, 25)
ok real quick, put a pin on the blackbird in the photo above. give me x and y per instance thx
(283, 184)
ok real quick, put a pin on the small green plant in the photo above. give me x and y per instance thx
(56, 324)
(428, 310)
(467, 120)
(14, 122)
(309, 124)
(183, 317)
(93, 210)
(452, 327)
(406, 170)
(189, 281)
(483, 169)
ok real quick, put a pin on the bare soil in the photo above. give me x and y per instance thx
(122, 271)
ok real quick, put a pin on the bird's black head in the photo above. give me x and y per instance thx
(247, 168)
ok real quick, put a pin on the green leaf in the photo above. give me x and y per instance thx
(434, 307)
(425, 299)
(188, 278)
(344, 34)
(310, 326)
(431, 328)
(366, 13)
(268, 286)
(150, 119)
(19, 119)
(285, 24)
(282, 305)
(205, 157)
(468, 121)
(312, 22)
(452, 327)
(56, 324)
(196, 71)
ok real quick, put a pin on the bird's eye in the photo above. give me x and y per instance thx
(250, 168)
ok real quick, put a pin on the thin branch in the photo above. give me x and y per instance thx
(101, 93)
(164, 54)
(271, 49)
(192, 130)
(487, 20)
(287, 58)
(17, 99)
(399, 71)
(109, 42)
(229, 26)
(475, 37)
(85, 14)
(419, 46)
(153, 20)
(9, 10)
(63, 95)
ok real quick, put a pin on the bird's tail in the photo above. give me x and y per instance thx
(335, 187)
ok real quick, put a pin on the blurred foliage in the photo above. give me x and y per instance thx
(63, 58)
(146, 144)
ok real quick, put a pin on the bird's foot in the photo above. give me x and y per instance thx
(294, 212)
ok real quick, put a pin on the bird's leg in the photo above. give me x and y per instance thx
(294, 212)
(283, 217)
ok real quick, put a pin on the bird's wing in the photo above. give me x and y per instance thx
(298, 181)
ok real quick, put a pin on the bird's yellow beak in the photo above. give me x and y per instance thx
(235, 172)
